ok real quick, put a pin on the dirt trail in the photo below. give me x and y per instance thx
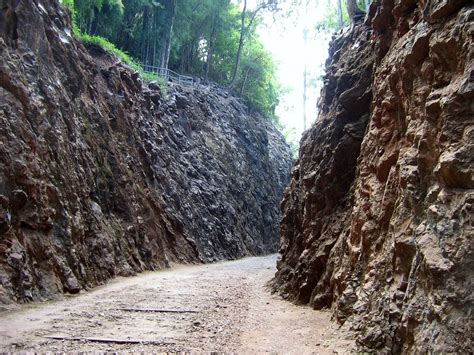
(234, 312)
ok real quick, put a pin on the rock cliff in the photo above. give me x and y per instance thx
(102, 175)
(378, 219)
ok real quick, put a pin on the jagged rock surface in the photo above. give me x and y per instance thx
(102, 176)
(378, 218)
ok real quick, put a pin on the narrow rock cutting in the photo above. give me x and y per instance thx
(102, 174)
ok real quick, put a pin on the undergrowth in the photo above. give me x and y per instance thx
(110, 48)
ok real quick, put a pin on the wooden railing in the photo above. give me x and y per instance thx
(169, 75)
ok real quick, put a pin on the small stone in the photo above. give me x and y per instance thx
(154, 85)
(181, 101)
(16, 256)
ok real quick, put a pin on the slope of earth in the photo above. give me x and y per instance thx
(101, 175)
(234, 312)
(378, 219)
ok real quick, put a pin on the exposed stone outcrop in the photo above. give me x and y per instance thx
(100, 175)
(378, 219)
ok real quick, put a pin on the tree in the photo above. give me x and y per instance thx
(305, 77)
(339, 14)
(210, 47)
(244, 29)
(335, 18)
(258, 85)
(216, 20)
(212, 38)
(95, 15)
(353, 10)
(167, 46)
(199, 22)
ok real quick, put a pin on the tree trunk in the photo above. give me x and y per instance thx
(170, 35)
(89, 25)
(186, 57)
(241, 45)
(243, 32)
(144, 39)
(155, 39)
(339, 14)
(210, 47)
(242, 89)
(163, 54)
(353, 10)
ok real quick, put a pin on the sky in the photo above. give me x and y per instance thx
(284, 39)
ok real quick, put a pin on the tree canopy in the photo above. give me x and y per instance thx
(202, 38)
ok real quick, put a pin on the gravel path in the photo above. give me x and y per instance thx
(226, 306)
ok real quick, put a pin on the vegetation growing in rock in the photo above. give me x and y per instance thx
(109, 46)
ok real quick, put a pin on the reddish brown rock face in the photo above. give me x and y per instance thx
(378, 219)
(102, 176)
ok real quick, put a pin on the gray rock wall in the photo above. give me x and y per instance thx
(100, 175)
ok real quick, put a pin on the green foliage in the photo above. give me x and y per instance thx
(99, 16)
(258, 85)
(111, 48)
(202, 31)
(362, 4)
(69, 4)
(329, 23)
(124, 57)
(159, 79)
(292, 140)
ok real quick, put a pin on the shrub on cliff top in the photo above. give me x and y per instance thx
(110, 48)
